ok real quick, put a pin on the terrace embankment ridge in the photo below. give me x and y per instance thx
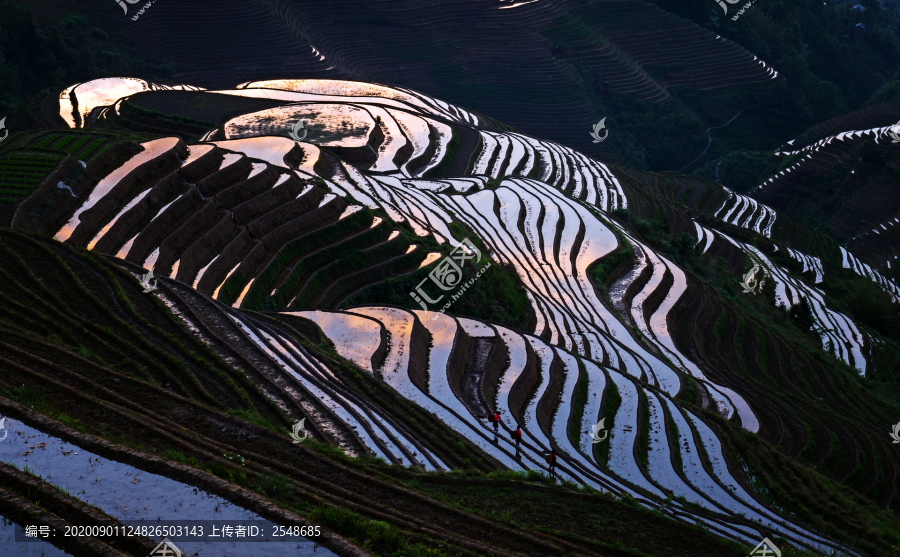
(230, 175)
(167, 187)
(524, 385)
(203, 165)
(419, 347)
(48, 208)
(497, 362)
(26, 512)
(314, 488)
(549, 403)
(72, 509)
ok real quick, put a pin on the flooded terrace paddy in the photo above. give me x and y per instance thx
(327, 124)
(128, 493)
(152, 149)
(355, 337)
(38, 548)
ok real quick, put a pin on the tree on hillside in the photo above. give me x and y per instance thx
(874, 307)
(802, 315)
(35, 58)
(827, 101)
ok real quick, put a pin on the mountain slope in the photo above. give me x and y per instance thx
(632, 281)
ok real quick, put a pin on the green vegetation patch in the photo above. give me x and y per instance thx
(579, 398)
(448, 159)
(81, 145)
(136, 118)
(611, 402)
(743, 170)
(22, 171)
(606, 266)
(600, 522)
(497, 295)
(374, 536)
(823, 504)
(41, 60)
(200, 106)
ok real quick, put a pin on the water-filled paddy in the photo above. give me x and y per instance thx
(128, 493)
(21, 549)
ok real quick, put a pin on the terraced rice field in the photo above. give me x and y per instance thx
(863, 269)
(839, 334)
(625, 45)
(103, 93)
(634, 39)
(260, 221)
(22, 171)
(869, 232)
(544, 420)
(329, 124)
(82, 146)
(812, 259)
(251, 214)
(629, 47)
(158, 332)
(824, 152)
(746, 212)
(52, 159)
(127, 493)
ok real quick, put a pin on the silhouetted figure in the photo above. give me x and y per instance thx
(167, 386)
(551, 461)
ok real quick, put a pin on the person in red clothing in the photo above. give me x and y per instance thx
(496, 419)
(517, 437)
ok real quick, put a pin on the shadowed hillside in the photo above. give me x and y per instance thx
(432, 277)
(609, 294)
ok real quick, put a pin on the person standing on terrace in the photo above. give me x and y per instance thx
(551, 460)
(495, 418)
(517, 437)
